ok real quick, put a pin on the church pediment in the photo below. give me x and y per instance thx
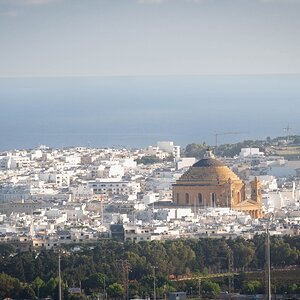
(249, 204)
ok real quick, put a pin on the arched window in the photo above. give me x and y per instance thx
(187, 198)
(200, 199)
(238, 197)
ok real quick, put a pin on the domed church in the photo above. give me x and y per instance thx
(210, 183)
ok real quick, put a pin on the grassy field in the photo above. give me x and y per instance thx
(288, 152)
(278, 277)
(282, 276)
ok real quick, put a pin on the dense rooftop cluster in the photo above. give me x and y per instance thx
(79, 195)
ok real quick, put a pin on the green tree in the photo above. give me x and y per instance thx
(293, 288)
(148, 160)
(6, 250)
(253, 287)
(243, 253)
(282, 254)
(38, 286)
(28, 293)
(94, 282)
(210, 288)
(139, 265)
(115, 290)
(144, 255)
(10, 287)
(77, 297)
(28, 265)
(51, 286)
(195, 150)
(181, 257)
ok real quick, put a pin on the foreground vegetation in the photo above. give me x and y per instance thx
(178, 265)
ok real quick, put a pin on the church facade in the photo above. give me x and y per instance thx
(210, 183)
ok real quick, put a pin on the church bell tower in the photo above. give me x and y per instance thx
(256, 190)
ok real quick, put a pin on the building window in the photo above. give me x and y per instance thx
(213, 199)
(177, 196)
(187, 198)
(200, 199)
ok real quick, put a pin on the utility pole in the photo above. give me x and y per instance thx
(231, 273)
(104, 289)
(125, 268)
(267, 265)
(59, 276)
(154, 282)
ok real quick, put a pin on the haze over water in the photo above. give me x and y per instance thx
(138, 111)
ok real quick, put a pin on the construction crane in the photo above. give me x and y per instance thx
(226, 133)
(287, 130)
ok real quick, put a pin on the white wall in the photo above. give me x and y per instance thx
(250, 152)
(185, 162)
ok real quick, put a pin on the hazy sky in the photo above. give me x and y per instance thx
(148, 37)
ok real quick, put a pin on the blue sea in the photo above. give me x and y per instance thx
(139, 111)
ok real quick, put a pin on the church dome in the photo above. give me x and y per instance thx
(210, 183)
(208, 170)
(208, 162)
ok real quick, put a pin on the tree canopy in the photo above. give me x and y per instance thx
(101, 267)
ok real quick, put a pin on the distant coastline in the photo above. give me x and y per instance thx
(138, 111)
